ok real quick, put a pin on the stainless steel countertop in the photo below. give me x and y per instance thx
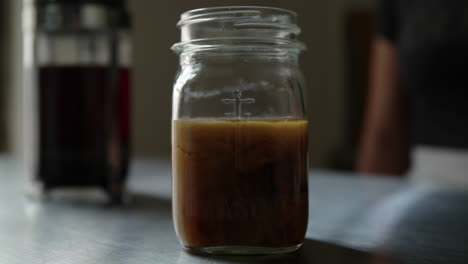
(350, 220)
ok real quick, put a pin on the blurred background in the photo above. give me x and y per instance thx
(419, 222)
(336, 32)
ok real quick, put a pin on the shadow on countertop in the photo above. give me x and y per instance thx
(312, 251)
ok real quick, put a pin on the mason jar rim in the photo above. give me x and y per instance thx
(228, 11)
(241, 28)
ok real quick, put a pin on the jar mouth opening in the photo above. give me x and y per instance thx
(239, 44)
(231, 12)
(240, 28)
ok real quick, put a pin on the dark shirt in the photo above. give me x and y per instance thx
(432, 40)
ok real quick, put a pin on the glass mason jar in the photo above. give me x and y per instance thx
(239, 132)
(80, 87)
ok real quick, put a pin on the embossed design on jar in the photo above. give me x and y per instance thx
(238, 101)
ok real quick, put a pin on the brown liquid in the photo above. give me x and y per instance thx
(83, 128)
(240, 183)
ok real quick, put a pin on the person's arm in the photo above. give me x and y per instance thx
(384, 146)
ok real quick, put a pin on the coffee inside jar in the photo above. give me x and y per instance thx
(240, 182)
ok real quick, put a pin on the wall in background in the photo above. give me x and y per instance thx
(4, 32)
(14, 77)
(323, 64)
(10, 59)
(3, 65)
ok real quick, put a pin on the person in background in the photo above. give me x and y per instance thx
(417, 114)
